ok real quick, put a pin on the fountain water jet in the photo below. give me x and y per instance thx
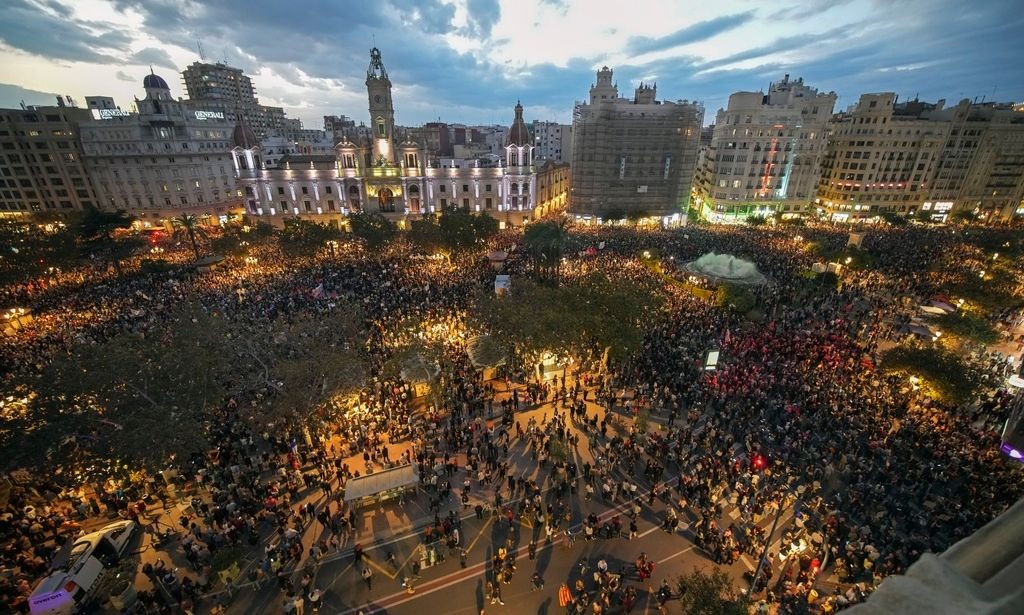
(727, 268)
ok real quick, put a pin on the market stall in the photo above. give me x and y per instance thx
(382, 485)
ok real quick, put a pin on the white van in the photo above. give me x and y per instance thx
(62, 591)
(79, 567)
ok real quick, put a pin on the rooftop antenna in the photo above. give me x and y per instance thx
(199, 45)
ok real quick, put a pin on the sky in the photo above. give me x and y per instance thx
(469, 61)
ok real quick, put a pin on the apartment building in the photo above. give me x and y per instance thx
(41, 162)
(765, 151)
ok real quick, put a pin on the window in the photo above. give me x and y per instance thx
(487, 188)
(280, 190)
(465, 187)
(327, 189)
(442, 188)
(381, 130)
(305, 190)
(487, 203)
(465, 202)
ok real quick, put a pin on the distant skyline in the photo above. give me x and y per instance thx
(470, 60)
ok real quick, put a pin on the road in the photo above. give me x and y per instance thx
(447, 587)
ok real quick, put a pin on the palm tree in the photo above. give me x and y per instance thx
(543, 241)
(188, 225)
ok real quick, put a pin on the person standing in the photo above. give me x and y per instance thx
(368, 577)
(533, 549)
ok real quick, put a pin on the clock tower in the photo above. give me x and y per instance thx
(382, 112)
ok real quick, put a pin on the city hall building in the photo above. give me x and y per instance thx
(380, 174)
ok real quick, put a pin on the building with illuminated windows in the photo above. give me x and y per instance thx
(633, 155)
(226, 89)
(41, 163)
(163, 160)
(923, 159)
(380, 174)
(765, 152)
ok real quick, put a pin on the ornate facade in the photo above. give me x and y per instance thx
(378, 175)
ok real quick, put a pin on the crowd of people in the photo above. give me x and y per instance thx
(797, 417)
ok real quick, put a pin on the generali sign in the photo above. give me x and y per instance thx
(209, 115)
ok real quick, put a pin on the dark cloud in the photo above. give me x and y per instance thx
(432, 18)
(156, 57)
(483, 14)
(53, 34)
(310, 41)
(699, 31)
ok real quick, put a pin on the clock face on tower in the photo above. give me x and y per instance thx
(376, 98)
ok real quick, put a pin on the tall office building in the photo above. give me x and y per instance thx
(633, 155)
(163, 161)
(41, 163)
(226, 89)
(913, 157)
(552, 141)
(765, 152)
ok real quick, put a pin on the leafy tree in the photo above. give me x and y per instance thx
(95, 229)
(636, 215)
(373, 228)
(964, 216)
(615, 214)
(736, 297)
(304, 238)
(944, 374)
(485, 227)
(591, 314)
(968, 326)
(232, 242)
(543, 241)
(132, 396)
(893, 218)
(425, 234)
(305, 361)
(187, 225)
(710, 593)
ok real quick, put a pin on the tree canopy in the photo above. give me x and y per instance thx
(943, 373)
(131, 396)
(375, 229)
(591, 314)
(544, 241)
(710, 593)
(304, 238)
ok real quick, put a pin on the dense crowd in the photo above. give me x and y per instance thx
(797, 416)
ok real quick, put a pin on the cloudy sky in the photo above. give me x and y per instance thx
(469, 60)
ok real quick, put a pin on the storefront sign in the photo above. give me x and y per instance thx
(209, 115)
(106, 114)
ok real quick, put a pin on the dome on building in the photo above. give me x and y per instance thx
(243, 136)
(518, 134)
(153, 80)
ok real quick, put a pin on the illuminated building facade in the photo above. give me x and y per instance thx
(918, 158)
(632, 155)
(765, 152)
(380, 174)
(164, 160)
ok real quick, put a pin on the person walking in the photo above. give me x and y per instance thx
(368, 577)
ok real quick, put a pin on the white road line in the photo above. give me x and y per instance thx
(674, 555)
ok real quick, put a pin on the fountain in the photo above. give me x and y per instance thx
(726, 268)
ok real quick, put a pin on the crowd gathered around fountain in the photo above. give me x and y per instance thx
(797, 417)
